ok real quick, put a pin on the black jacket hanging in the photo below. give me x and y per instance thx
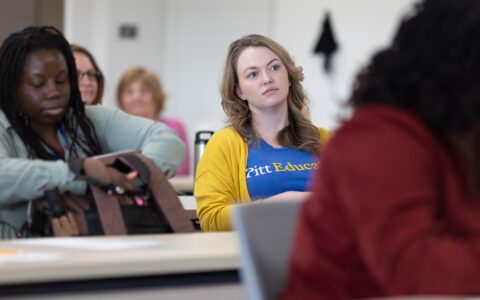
(326, 44)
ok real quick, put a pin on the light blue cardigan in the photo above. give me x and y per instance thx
(23, 179)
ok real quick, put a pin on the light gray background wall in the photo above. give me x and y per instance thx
(185, 42)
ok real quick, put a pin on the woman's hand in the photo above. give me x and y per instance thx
(108, 175)
(126, 181)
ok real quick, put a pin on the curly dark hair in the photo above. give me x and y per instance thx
(432, 67)
(13, 54)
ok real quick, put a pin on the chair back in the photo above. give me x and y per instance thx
(265, 234)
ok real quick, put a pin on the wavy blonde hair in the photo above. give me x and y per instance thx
(147, 77)
(300, 133)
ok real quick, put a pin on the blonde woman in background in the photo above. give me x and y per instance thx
(269, 150)
(140, 93)
(45, 128)
(90, 77)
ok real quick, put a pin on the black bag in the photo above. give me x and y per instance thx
(154, 208)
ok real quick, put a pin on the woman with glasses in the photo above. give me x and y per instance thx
(44, 125)
(90, 78)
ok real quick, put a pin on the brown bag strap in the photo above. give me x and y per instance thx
(166, 197)
(108, 206)
(109, 212)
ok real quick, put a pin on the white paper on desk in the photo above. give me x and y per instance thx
(92, 243)
(22, 256)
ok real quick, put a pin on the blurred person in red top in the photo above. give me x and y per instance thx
(395, 208)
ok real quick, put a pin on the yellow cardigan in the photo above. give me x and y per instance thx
(220, 178)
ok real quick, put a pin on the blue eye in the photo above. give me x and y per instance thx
(275, 67)
(252, 75)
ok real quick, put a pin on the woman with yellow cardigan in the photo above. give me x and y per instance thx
(270, 148)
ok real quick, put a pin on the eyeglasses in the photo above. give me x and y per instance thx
(91, 75)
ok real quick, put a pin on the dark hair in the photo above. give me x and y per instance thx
(13, 54)
(432, 67)
(99, 75)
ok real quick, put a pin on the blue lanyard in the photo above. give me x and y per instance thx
(55, 153)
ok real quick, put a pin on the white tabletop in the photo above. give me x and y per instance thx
(188, 202)
(190, 205)
(182, 184)
(58, 259)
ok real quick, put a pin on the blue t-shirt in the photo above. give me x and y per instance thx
(271, 171)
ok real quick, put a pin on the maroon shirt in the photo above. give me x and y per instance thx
(391, 213)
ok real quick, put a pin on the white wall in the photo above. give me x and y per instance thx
(185, 42)
(95, 25)
(198, 35)
(361, 27)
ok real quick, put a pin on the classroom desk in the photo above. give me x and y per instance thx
(190, 206)
(171, 266)
(182, 184)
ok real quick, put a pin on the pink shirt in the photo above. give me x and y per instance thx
(176, 125)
